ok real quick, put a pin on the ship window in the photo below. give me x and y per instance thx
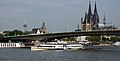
(7, 44)
(11, 44)
(1, 44)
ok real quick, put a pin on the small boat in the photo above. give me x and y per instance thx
(11, 45)
(116, 43)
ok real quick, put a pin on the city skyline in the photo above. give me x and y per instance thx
(57, 14)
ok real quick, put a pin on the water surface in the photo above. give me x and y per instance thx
(22, 54)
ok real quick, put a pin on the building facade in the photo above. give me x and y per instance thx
(107, 26)
(40, 30)
(91, 20)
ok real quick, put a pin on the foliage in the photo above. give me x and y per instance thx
(115, 38)
(1, 36)
(15, 33)
(68, 39)
(103, 39)
(93, 38)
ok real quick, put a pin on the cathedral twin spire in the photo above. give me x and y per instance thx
(90, 11)
(95, 9)
(90, 18)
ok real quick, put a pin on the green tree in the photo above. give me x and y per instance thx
(93, 38)
(15, 33)
(68, 39)
(1, 36)
(115, 38)
(104, 39)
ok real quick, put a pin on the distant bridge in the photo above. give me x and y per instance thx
(63, 34)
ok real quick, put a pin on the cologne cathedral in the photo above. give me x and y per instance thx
(91, 20)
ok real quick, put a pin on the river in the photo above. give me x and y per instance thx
(22, 54)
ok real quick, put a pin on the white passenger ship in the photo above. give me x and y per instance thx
(57, 46)
(47, 47)
(11, 44)
(74, 46)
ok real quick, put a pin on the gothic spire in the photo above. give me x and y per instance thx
(89, 10)
(95, 9)
(85, 17)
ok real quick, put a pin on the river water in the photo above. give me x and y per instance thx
(22, 54)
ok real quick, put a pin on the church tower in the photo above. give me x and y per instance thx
(95, 18)
(90, 20)
(104, 20)
(43, 28)
(89, 10)
(86, 25)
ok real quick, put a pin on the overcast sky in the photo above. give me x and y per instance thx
(58, 15)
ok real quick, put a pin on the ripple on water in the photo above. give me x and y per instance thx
(28, 55)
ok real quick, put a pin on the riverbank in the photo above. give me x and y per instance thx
(101, 47)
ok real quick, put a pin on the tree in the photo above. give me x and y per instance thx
(15, 33)
(1, 36)
(105, 39)
(68, 39)
(93, 38)
(115, 38)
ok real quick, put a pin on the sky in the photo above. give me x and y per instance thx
(58, 15)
